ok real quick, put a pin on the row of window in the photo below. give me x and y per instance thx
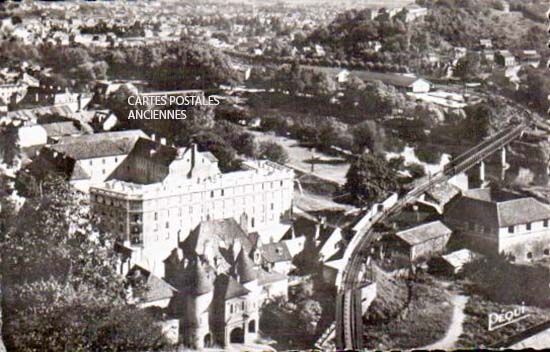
(236, 307)
(103, 161)
(528, 226)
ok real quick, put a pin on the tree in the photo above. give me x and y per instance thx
(370, 179)
(468, 67)
(49, 316)
(273, 151)
(416, 170)
(9, 142)
(62, 290)
(212, 142)
(309, 313)
(478, 121)
(364, 136)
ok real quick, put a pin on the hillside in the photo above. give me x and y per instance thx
(448, 23)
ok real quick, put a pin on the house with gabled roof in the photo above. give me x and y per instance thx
(87, 159)
(416, 244)
(492, 221)
(156, 291)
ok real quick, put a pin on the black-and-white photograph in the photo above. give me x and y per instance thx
(274, 175)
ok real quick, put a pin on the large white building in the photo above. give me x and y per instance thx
(158, 194)
(489, 222)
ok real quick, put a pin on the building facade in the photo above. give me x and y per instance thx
(492, 222)
(159, 194)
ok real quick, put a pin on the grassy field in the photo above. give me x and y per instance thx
(327, 167)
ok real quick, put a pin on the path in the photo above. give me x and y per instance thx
(455, 329)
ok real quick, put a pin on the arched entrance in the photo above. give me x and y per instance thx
(252, 326)
(236, 336)
(208, 340)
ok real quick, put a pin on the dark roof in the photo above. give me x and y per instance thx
(423, 233)
(496, 209)
(156, 288)
(244, 267)
(96, 145)
(276, 252)
(306, 226)
(159, 158)
(58, 129)
(216, 232)
(51, 161)
(228, 287)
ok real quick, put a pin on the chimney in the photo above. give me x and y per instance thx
(163, 141)
(243, 221)
(317, 230)
(193, 155)
(79, 101)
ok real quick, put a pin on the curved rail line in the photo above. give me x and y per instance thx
(348, 327)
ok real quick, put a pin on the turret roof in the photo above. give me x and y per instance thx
(245, 268)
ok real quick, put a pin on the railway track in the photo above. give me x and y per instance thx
(347, 331)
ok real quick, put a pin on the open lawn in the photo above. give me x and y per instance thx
(330, 168)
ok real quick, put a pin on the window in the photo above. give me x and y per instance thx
(252, 222)
(546, 252)
(223, 193)
(242, 305)
(529, 255)
(116, 159)
(528, 226)
(545, 223)
(103, 161)
(156, 216)
(281, 183)
(91, 162)
(211, 194)
(167, 225)
(271, 206)
(510, 229)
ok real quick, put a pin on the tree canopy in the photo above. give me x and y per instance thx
(370, 179)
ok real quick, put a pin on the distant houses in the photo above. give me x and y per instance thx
(400, 81)
(403, 82)
(505, 58)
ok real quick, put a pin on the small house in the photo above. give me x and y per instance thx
(505, 58)
(454, 262)
(417, 244)
(529, 58)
